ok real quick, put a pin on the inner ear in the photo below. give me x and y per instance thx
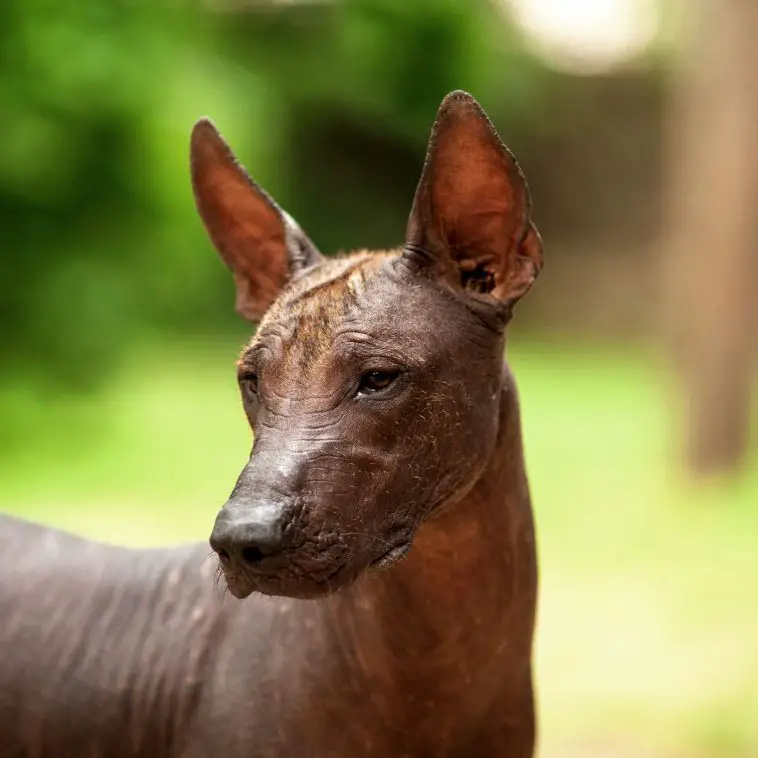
(470, 216)
(261, 244)
(477, 278)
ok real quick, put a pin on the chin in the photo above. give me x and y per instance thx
(294, 581)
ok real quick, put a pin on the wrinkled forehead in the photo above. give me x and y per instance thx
(343, 293)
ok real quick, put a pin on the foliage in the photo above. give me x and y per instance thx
(100, 237)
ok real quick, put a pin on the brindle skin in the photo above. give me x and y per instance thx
(112, 652)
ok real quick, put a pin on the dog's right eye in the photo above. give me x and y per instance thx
(249, 385)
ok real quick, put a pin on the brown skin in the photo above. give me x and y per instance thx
(386, 479)
(372, 384)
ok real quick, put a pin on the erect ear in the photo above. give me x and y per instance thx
(470, 217)
(257, 240)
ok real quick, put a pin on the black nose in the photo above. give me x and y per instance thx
(248, 535)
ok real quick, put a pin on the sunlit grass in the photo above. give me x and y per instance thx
(648, 641)
(648, 625)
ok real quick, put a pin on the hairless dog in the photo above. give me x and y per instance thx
(381, 531)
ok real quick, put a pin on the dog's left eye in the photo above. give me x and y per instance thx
(374, 381)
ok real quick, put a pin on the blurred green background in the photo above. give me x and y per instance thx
(119, 415)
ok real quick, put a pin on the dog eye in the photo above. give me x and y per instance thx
(249, 385)
(374, 381)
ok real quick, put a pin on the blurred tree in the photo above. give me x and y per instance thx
(100, 238)
(713, 193)
(359, 82)
(85, 207)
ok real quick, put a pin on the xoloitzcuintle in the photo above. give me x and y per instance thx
(382, 526)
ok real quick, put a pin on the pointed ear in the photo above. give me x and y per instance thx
(258, 241)
(470, 217)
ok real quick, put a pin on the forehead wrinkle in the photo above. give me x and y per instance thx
(312, 308)
(329, 277)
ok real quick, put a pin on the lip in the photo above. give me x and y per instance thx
(239, 586)
(243, 583)
(392, 556)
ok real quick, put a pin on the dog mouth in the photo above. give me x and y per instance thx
(242, 584)
(391, 556)
(299, 574)
(306, 579)
(238, 584)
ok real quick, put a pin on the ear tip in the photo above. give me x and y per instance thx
(458, 95)
(203, 130)
(459, 99)
(207, 146)
(460, 106)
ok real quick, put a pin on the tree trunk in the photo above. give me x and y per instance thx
(710, 281)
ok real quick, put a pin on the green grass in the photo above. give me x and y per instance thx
(648, 626)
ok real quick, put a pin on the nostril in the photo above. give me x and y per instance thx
(224, 556)
(252, 554)
(248, 537)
